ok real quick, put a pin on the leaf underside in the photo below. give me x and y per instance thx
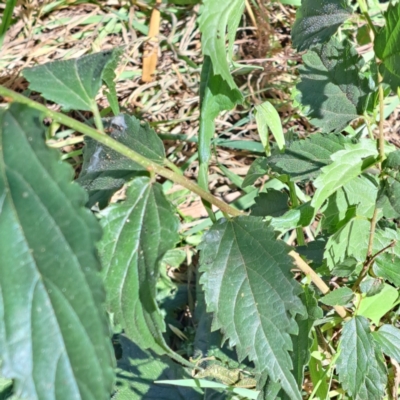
(243, 265)
(50, 345)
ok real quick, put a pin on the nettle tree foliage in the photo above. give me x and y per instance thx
(262, 331)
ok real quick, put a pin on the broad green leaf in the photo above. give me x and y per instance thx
(72, 83)
(54, 335)
(258, 169)
(137, 234)
(388, 338)
(243, 265)
(371, 286)
(332, 86)
(317, 21)
(350, 241)
(137, 371)
(338, 297)
(361, 369)
(302, 342)
(357, 197)
(216, 96)
(268, 119)
(107, 170)
(219, 21)
(387, 47)
(273, 203)
(109, 79)
(303, 159)
(347, 165)
(375, 307)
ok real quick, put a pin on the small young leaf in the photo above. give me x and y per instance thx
(361, 368)
(375, 307)
(388, 338)
(317, 21)
(218, 23)
(347, 165)
(268, 117)
(109, 79)
(273, 203)
(72, 83)
(339, 297)
(137, 234)
(303, 159)
(332, 86)
(54, 335)
(258, 169)
(387, 47)
(296, 217)
(138, 369)
(243, 265)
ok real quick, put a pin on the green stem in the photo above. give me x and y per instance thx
(295, 203)
(172, 166)
(364, 10)
(122, 149)
(97, 117)
(381, 120)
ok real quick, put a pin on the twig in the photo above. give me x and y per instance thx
(319, 283)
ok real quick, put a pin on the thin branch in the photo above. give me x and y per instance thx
(122, 149)
(319, 283)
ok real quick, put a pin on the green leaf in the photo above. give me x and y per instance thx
(317, 21)
(54, 335)
(137, 234)
(347, 165)
(268, 117)
(216, 96)
(361, 369)
(388, 338)
(273, 203)
(386, 264)
(243, 265)
(106, 170)
(219, 21)
(72, 83)
(302, 342)
(350, 241)
(109, 79)
(137, 371)
(357, 197)
(331, 85)
(387, 47)
(375, 307)
(303, 159)
(296, 217)
(258, 169)
(339, 297)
